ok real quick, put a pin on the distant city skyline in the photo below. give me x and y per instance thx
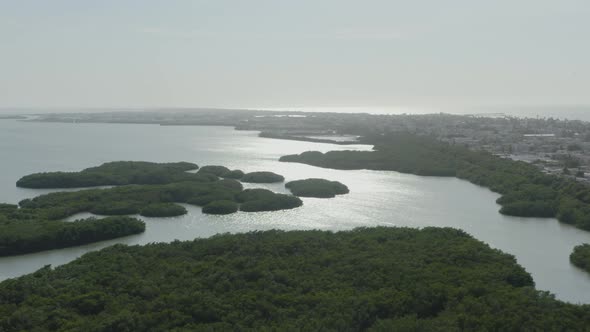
(279, 54)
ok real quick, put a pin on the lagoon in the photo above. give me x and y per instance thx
(376, 198)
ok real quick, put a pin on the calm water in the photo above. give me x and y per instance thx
(542, 246)
(557, 112)
(581, 112)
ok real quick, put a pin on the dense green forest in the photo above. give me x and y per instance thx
(381, 279)
(113, 174)
(262, 177)
(32, 235)
(580, 257)
(320, 188)
(525, 190)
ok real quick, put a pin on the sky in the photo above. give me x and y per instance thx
(317, 53)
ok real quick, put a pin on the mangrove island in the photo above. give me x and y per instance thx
(262, 177)
(319, 188)
(580, 256)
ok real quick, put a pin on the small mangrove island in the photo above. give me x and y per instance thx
(372, 279)
(580, 257)
(319, 188)
(262, 177)
(214, 169)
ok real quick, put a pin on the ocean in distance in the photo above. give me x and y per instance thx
(377, 198)
(558, 112)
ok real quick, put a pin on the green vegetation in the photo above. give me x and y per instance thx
(580, 257)
(262, 177)
(7, 208)
(129, 199)
(221, 207)
(205, 199)
(234, 174)
(525, 190)
(26, 236)
(380, 279)
(317, 188)
(255, 200)
(152, 200)
(278, 202)
(215, 170)
(113, 174)
(163, 210)
(29, 229)
(148, 189)
(37, 226)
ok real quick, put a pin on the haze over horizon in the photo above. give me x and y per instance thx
(267, 54)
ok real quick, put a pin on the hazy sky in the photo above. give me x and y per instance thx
(113, 53)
